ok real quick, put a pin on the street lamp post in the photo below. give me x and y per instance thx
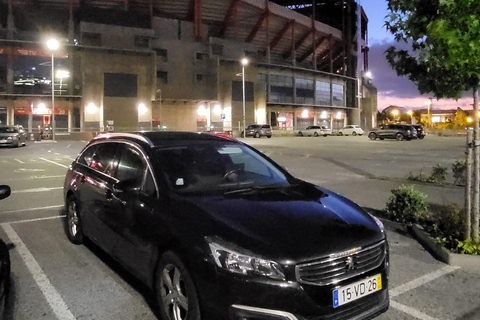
(52, 45)
(429, 104)
(244, 63)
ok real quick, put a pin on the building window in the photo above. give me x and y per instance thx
(199, 56)
(217, 50)
(91, 39)
(252, 55)
(200, 78)
(120, 85)
(162, 76)
(338, 95)
(162, 54)
(322, 90)
(304, 90)
(142, 42)
(281, 89)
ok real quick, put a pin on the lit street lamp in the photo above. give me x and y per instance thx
(410, 113)
(52, 45)
(244, 63)
(394, 113)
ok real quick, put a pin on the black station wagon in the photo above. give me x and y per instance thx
(219, 231)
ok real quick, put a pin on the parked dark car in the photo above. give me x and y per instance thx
(393, 131)
(14, 136)
(4, 262)
(219, 231)
(258, 130)
(420, 131)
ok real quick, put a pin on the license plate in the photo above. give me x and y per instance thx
(357, 290)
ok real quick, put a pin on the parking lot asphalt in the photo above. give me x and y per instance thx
(53, 279)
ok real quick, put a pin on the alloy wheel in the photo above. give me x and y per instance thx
(173, 293)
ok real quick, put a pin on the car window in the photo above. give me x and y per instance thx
(131, 167)
(216, 167)
(266, 126)
(8, 130)
(99, 157)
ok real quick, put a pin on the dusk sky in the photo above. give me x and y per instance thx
(392, 89)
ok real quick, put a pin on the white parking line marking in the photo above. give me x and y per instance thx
(414, 313)
(35, 177)
(36, 220)
(36, 190)
(58, 164)
(19, 161)
(54, 299)
(32, 209)
(422, 280)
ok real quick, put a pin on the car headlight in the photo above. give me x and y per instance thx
(237, 260)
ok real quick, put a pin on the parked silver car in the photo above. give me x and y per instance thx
(315, 131)
(258, 130)
(350, 130)
(14, 136)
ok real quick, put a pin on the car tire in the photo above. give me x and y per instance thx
(340, 133)
(372, 136)
(257, 135)
(421, 137)
(315, 134)
(354, 133)
(269, 136)
(74, 221)
(399, 137)
(300, 134)
(175, 290)
(5, 269)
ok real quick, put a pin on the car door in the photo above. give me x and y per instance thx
(136, 197)
(94, 182)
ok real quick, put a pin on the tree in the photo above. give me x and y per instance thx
(460, 120)
(445, 59)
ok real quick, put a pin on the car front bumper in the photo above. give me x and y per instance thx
(235, 297)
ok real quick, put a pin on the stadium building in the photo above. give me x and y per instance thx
(177, 65)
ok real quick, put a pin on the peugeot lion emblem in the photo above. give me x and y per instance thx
(349, 264)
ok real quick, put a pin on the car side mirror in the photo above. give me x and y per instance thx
(5, 191)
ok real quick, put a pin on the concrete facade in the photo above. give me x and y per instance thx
(184, 76)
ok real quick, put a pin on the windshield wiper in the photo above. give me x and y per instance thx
(256, 188)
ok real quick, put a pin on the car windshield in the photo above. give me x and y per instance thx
(8, 130)
(217, 168)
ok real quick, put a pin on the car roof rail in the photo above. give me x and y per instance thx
(118, 135)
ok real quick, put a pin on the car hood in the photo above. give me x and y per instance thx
(5, 135)
(288, 224)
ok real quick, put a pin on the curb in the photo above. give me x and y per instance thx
(442, 254)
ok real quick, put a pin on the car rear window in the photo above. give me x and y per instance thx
(8, 130)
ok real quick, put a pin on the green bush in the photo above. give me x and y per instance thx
(446, 224)
(468, 247)
(407, 205)
(439, 174)
(459, 167)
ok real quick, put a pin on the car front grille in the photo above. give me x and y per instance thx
(341, 266)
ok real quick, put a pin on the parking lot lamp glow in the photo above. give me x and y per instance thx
(52, 45)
